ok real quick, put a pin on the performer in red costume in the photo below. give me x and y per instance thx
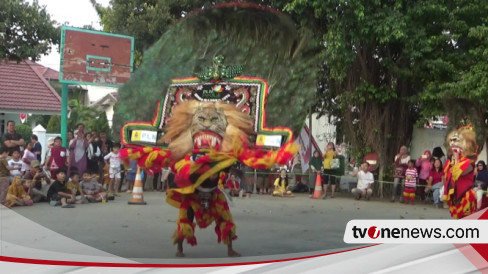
(459, 172)
(205, 140)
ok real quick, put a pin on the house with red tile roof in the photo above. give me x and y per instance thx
(24, 89)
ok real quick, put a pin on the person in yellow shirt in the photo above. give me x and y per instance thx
(329, 173)
(74, 187)
(281, 185)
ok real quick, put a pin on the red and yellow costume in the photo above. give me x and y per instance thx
(458, 187)
(206, 167)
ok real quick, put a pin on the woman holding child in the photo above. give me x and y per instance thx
(401, 164)
(425, 166)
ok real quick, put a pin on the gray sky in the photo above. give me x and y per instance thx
(77, 13)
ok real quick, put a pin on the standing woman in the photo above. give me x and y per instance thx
(316, 167)
(93, 154)
(329, 174)
(401, 164)
(425, 165)
(77, 148)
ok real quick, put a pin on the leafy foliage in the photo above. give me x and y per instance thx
(54, 124)
(27, 30)
(100, 123)
(25, 131)
(388, 63)
(92, 118)
(42, 120)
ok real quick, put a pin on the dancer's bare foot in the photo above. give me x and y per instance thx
(233, 253)
(179, 250)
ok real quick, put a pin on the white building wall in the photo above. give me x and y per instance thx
(96, 93)
(322, 131)
(425, 138)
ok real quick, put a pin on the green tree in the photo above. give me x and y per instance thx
(99, 123)
(460, 70)
(388, 64)
(42, 120)
(372, 59)
(25, 131)
(27, 30)
(80, 114)
(54, 124)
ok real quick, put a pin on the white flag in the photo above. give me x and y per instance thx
(304, 141)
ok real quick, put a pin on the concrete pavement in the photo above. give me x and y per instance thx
(265, 225)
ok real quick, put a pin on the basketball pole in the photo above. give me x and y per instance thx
(64, 114)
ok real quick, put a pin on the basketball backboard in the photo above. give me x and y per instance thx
(95, 58)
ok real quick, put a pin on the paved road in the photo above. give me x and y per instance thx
(265, 225)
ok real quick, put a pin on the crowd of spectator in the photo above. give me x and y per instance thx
(90, 170)
(68, 176)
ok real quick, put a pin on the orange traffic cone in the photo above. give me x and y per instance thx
(317, 194)
(137, 195)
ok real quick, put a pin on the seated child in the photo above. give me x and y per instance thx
(281, 185)
(16, 195)
(58, 193)
(39, 182)
(92, 190)
(233, 185)
(74, 187)
(16, 165)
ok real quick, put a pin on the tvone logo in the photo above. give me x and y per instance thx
(373, 232)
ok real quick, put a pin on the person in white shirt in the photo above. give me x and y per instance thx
(114, 171)
(16, 163)
(365, 182)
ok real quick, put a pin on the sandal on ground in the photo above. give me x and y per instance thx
(68, 206)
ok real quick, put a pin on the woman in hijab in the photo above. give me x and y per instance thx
(315, 166)
(437, 153)
(481, 184)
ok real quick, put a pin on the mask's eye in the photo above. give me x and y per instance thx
(214, 119)
(201, 118)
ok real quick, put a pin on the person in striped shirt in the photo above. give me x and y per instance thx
(411, 176)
